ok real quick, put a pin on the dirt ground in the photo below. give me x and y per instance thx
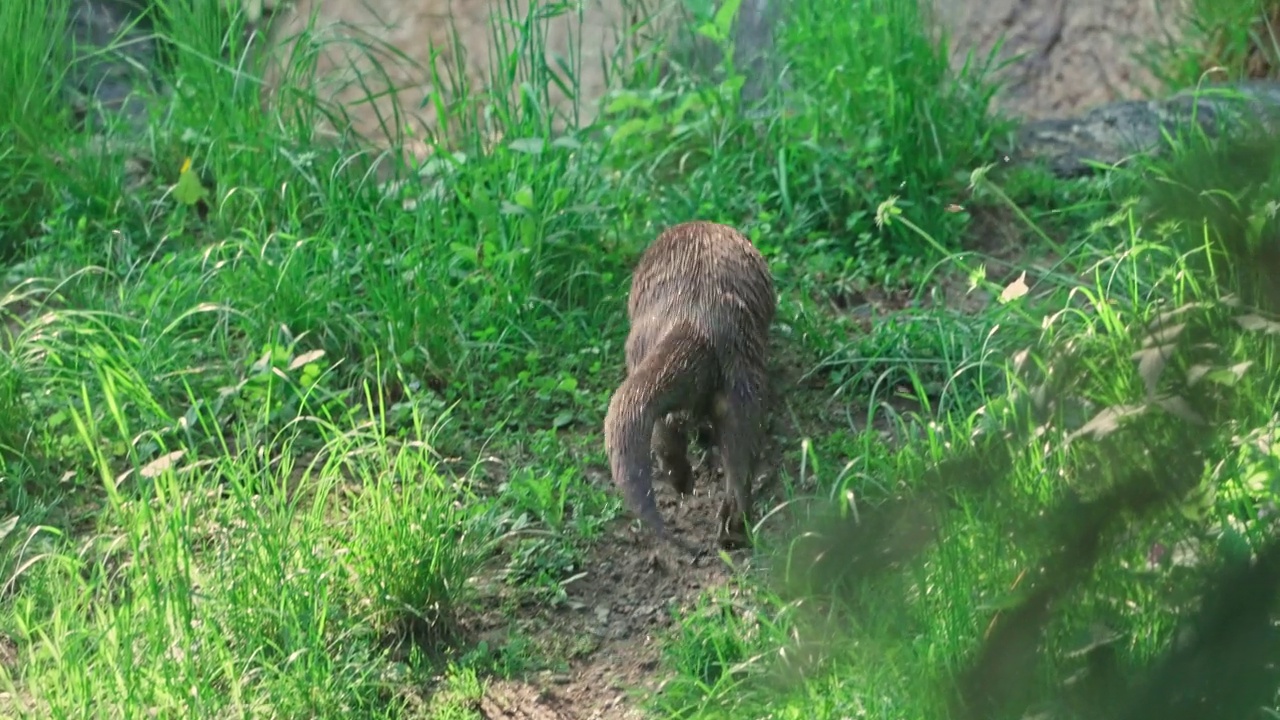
(623, 601)
(616, 611)
(1077, 54)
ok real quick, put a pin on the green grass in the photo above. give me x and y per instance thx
(1235, 40)
(269, 452)
(905, 635)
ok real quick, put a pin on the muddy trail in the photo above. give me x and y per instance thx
(616, 611)
(629, 593)
(630, 590)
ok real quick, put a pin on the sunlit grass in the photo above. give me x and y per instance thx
(241, 440)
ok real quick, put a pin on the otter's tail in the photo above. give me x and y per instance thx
(672, 371)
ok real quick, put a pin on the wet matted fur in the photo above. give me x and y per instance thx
(701, 304)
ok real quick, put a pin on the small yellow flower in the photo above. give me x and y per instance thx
(189, 190)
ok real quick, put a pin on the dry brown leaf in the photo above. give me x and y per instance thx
(160, 464)
(1196, 373)
(1164, 335)
(1015, 289)
(305, 358)
(1151, 362)
(1257, 322)
(1107, 421)
(1176, 405)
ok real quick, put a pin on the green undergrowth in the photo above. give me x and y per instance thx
(1142, 378)
(281, 417)
(1233, 39)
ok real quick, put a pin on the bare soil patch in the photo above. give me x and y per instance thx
(618, 609)
(632, 590)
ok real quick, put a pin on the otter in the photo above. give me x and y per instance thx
(700, 306)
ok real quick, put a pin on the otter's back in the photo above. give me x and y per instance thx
(710, 276)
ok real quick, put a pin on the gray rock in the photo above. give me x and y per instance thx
(113, 62)
(1116, 131)
(757, 53)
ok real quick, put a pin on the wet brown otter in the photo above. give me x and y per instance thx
(701, 304)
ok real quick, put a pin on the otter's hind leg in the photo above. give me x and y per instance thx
(739, 430)
(671, 443)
